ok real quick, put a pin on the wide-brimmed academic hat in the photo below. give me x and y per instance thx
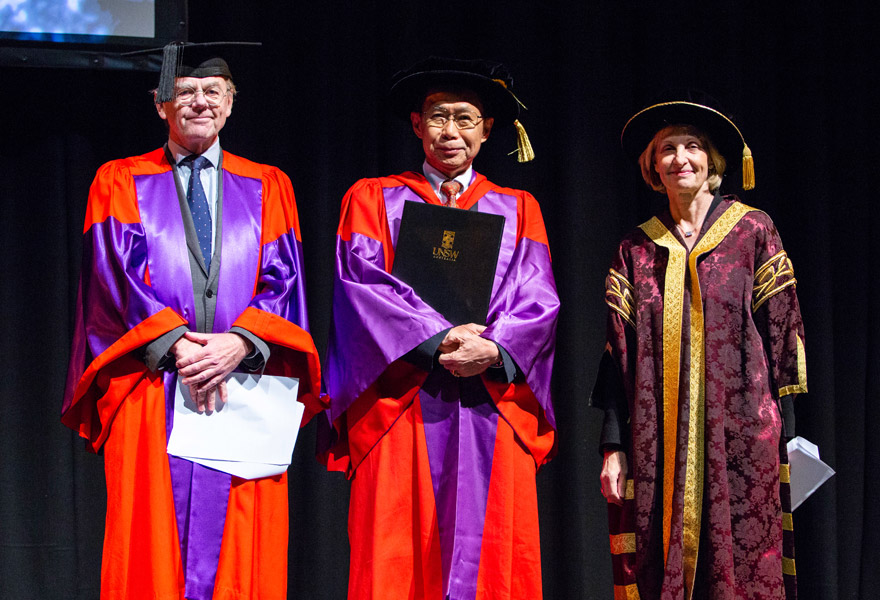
(490, 80)
(190, 59)
(689, 107)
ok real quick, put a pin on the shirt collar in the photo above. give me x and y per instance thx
(435, 178)
(179, 152)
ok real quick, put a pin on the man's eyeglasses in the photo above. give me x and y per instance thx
(213, 95)
(463, 120)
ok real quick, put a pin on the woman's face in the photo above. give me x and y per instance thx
(681, 162)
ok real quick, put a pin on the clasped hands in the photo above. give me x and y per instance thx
(464, 353)
(203, 362)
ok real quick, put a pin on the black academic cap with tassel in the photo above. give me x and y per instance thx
(489, 80)
(689, 107)
(190, 59)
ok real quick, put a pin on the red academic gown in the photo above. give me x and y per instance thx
(135, 286)
(443, 498)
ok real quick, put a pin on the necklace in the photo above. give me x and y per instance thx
(686, 234)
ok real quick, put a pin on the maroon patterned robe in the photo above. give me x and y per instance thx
(704, 344)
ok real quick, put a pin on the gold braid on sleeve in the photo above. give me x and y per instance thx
(774, 276)
(619, 296)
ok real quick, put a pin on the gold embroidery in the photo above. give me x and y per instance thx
(801, 386)
(694, 471)
(788, 566)
(673, 305)
(787, 521)
(771, 278)
(623, 543)
(619, 296)
(784, 474)
(630, 492)
(626, 592)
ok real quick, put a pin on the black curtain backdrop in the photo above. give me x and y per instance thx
(796, 77)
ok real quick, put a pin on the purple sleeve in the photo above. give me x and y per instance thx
(376, 320)
(522, 317)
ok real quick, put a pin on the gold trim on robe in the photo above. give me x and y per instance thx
(673, 305)
(619, 296)
(801, 386)
(784, 473)
(771, 278)
(622, 543)
(626, 592)
(673, 300)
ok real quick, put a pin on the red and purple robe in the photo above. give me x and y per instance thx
(443, 498)
(174, 527)
(705, 343)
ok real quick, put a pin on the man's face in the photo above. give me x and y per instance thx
(449, 149)
(197, 125)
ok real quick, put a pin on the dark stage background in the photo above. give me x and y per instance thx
(796, 77)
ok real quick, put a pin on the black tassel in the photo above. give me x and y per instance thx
(172, 55)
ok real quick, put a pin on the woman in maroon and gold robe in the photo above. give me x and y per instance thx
(704, 355)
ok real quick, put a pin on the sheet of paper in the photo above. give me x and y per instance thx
(258, 425)
(808, 472)
(245, 470)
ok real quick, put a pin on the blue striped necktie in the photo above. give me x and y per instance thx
(198, 205)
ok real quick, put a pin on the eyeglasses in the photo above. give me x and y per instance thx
(213, 95)
(463, 120)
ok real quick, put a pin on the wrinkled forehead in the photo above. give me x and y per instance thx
(460, 99)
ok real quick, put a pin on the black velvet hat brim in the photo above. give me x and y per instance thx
(408, 93)
(642, 128)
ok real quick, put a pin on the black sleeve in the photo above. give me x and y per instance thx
(608, 395)
(788, 417)
(425, 354)
(507, 372)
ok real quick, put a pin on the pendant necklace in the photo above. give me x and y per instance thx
(686, 234)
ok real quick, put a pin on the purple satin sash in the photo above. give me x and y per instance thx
(460, 424)
(200, 494)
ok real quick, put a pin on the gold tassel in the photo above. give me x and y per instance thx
(748, 169)
(524, 152)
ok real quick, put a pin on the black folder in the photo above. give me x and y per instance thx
(448, 256)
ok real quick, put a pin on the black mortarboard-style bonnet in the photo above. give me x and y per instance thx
(689, 108)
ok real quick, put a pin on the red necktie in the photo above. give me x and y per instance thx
(450, 189)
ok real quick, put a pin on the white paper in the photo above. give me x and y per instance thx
(250, 436)
(245, 470)
(808, 472)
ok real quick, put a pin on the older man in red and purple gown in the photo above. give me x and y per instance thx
(442, 426)
(192, 267)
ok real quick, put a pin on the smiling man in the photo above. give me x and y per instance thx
(192, 268)
(441, 426)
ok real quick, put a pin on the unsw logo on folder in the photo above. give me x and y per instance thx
(448, 256)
